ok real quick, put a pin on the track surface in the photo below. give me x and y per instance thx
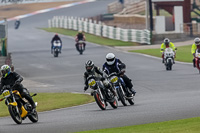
(161, 95)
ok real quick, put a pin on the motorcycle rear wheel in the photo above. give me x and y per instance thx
(34, 116)
(14, 114)
(100, 102)
(131, 101)
(114, 104)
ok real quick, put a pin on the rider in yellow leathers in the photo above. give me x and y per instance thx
(166, 43)
(194, 47)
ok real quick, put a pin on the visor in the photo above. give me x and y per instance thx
(109, 60)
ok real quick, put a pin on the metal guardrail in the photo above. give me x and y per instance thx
(99, 29)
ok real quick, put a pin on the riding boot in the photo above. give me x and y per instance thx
(30, 99)
(133, 91)
(194, 65)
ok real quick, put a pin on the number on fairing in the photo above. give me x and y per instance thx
(114, 79)
(6, 93)
(92, 82)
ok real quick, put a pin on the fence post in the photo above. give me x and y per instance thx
(4, 47)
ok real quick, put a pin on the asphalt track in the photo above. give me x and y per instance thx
(161, 95)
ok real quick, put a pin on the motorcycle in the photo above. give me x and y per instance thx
(123, 93)
(197, 58)
(56, 48)
(169, 58)
(101, 94)
(18, 107)
(17, 24)
(80, 46)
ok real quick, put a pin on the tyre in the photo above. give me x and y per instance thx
(114, 104)
(34, 116)
(14, 114)
(121, 96)
(131, 101)
(100, 102)
(56, 54)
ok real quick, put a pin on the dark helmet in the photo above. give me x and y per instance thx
(166, 41)
(5, 70)
(89, 66)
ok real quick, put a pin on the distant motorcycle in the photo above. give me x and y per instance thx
(197, 59)
(56, 47)
(101, 94)
(17, 24)
(80, 46)
(169, 58)
(18, 107)
(123, 93)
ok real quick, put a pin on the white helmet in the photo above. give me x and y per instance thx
(110, 58)
(197, 41)
(166, 41)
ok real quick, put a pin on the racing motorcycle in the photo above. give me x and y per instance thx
(18, 107)
(197, 58)
(101, 94)
(56, 47)
(169, 58)
(123, 93)
(17, 24)
(80, 46)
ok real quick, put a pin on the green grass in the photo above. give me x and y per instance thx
(91, 38)
(182, 54)
(190, 125)
(50, 101)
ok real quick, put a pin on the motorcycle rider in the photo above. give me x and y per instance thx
(166, 44)
(56, 38)
(17, 23)
(80, 36)
(91, 69)
(113, 64)
(12, 78)
(195, 45)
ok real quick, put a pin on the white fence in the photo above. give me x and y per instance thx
(99, 29)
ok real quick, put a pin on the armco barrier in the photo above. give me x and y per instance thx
(99, 29)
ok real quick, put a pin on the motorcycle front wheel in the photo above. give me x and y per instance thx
(121, 96)
(14, 114)
(100, 102)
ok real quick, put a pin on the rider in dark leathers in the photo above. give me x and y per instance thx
(113, 64)
(91, 69)
(56, 38)
(10, 78)
(80, 36)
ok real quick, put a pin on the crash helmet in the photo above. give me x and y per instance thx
(166, 41)
(5, 70)
(197, 41)
(89, 66)
(80, 31)
(110, 58)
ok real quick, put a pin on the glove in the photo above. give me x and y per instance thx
(17, 82)
(85, 88)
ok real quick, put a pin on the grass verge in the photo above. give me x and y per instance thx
(190, 125)
(92, 38)
(50, 101)
(183, 53)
